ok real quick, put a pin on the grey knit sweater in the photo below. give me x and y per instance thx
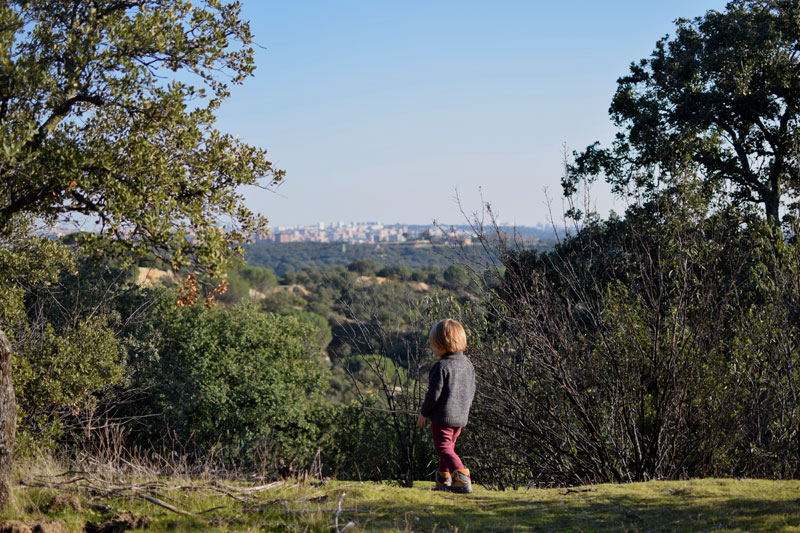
(451, 387)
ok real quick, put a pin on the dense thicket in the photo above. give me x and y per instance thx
(662, 345)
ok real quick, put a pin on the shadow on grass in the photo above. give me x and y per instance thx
(599, 512)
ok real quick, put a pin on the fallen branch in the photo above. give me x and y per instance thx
(213, 509)
(156, 491)
(298, 511)
(45, 485)
(575, 491)
(165, 505)
(273, 485)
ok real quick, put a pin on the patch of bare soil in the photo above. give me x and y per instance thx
(372, 279)
(256, 295)
(297, 290)
(49, 526)
(148, 276)
(123, 521)
(14, 526)
(42, 526)
(419, 286)
(65, 501)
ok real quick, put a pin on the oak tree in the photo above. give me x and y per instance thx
(721, 100)
(107, 112)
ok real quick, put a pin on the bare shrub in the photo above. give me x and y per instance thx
(637, 349)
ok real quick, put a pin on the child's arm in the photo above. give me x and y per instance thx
(435, 386)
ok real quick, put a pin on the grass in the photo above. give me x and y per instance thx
(693, 505)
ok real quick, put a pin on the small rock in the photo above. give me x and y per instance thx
(65, 501)
(13, 526)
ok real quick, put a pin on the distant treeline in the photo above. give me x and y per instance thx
(296, 256)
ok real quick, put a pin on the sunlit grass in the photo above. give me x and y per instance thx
(694, 505)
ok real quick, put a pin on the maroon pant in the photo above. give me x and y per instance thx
(444, 442)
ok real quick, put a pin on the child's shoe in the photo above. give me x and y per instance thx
(443, 480)
(462, 483)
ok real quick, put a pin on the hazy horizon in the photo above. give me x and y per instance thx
(387, 111)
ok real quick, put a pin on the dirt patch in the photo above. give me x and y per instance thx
(297, 290)
(148, 276)
(372, 279)
(123, 521)
(13, 526)
(65, 501)
(49, 526)
(42, 526)
(256, 295)
(419, 286)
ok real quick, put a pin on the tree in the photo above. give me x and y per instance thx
(722, 99)
(365, 267)
(94, 122)
(456, 277)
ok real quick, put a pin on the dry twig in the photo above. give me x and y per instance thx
(347, 526)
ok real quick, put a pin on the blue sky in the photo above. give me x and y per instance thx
(385, 110)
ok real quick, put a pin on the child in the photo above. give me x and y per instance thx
(451, 388)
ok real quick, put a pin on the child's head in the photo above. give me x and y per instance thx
(448, 336)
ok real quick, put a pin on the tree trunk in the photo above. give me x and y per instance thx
(772, 204)
(8, 420)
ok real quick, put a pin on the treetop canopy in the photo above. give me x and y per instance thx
(107, 111)
(720, 100)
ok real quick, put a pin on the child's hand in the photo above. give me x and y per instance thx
(421, 421)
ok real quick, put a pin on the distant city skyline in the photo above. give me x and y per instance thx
(359, 232)
(388, 110)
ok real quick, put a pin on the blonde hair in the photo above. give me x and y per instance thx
(448, 335)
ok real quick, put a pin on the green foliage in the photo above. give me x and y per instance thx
(318, 323)
(62, 371)
(94, 125)
(237, 378)
(245, 282)
(237, 289)
(294, 256)
(26, 261)
(397, 272)
(456, 277)
(721, 98)
(260, 278)
(280, 301)
(86, 82)
(364, 267)
(72, 347)
(365, 446)
(361, 367)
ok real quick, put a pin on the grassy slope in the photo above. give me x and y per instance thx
(695, 505)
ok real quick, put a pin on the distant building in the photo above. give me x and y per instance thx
(357, 232)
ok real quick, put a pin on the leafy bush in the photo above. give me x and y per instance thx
(236, 378)
(364, 445)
